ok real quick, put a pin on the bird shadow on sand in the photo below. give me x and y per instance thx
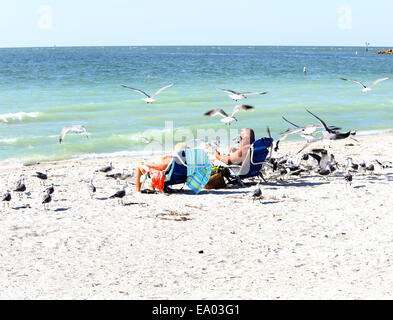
(358, 187)
(104, 198)
(135, 203)
(270, 202)
(61, 209)
(21, 207)
(295, 184)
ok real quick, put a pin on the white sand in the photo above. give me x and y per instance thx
(308, 239)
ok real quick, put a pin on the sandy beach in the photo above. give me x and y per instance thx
(309, 238)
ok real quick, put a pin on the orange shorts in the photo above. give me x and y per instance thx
(157, 177)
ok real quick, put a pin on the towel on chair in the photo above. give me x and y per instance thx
(198, 169)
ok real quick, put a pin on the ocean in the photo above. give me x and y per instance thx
(44, 89)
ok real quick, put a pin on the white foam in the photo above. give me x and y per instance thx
(18, 116)
(10, 140)
(11, 164)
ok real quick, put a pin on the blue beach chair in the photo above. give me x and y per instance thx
(252, 164)
(191, 167)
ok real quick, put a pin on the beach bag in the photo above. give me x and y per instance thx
(216, 181)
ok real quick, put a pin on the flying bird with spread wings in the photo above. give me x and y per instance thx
(366, 88)
(75, 129)
(149, 98)
(239, 95)
(227, 119)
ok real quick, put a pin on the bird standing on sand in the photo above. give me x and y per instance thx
(76, 129)
(257, 193)
(370, 168)
(20, 187)
(46, 199)
(149, 98)
(350, 165)
(51, 189)
(225, 117)
(42, 176)
(366, 88)
(348, 177)
(92, 188)
(107, 169)
(120, 195)
(7, 198)
(121, 176)
(240, 95)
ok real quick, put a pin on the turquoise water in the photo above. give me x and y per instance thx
(44, 89)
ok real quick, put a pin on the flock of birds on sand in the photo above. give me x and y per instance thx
(21, 188)
(279, 167)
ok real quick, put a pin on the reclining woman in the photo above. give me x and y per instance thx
(237, 155)
(156, 170)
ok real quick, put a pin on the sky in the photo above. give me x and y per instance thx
(36, 23)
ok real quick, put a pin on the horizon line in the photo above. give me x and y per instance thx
(188, 45)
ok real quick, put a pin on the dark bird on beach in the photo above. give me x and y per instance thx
(42, 176)
(350, 165)
(324, 172)
(20, 186)
(370, 168)
(120, 176)
(51, 189)
(7, 198)
(107, 169)
(257, 193)
(46, 199)
(92, 188)
(120, 194)
(348, 177)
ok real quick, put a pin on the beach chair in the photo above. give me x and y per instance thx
(191, 167)
(253, 162)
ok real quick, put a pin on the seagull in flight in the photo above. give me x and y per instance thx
(366, 88)
(149, 98)
(306, 132)
(225, 117)
(239, 95)
(328, 133)
(149, 140)
(76, 129)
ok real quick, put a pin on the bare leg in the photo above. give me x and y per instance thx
(138, 173)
